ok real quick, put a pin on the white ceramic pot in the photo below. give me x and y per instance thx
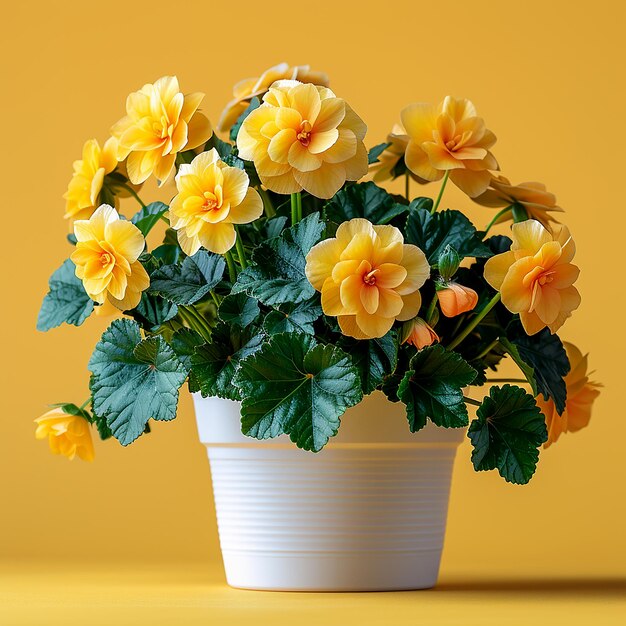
(366, 513)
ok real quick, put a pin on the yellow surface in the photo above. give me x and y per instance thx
(547, 77)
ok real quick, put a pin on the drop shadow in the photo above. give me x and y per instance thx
(606, 587)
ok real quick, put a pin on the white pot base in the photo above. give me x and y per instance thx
(367, 513)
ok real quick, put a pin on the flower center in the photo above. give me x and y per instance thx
(370, 277)
(210, 201)
(163, 128)
(304, 136)
(105, 259)
(453, 143)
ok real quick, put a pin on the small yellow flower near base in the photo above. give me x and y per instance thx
(304, 137)
(160, 122)
(538, 202)
(418, 333)
(69, 435)
(581, 394)
(451, 138)
(106, 256)
(368, 277)
(535, 277)
(81, 197)
(250, 88)
(212, 197)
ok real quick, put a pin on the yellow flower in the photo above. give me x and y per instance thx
(534, 197)
(455, 299)
(304, 137)
(418, 333)
(536, 276)
(212, 197)
(106, 256)
(88, 178)
(581, 393)
(250, 88)
(160, 122)
(449, 138)
(68, 435)
(368, 277)
(384, 168)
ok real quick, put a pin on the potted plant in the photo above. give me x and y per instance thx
(292, 297)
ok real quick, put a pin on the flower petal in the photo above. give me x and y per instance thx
(248, 210)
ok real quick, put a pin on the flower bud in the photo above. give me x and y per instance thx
(455, 299)
(418, 333)
(449, 261)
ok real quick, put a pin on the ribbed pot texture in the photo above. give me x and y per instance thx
(367, 513)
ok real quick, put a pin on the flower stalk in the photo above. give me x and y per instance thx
(477, 320)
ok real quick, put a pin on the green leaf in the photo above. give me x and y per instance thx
(363, 200)
(274, 226)
(293, 318)
(223, 148)
(277, 274)
(184, 343)
(375, 152)
(148, 216)
(433, 388)
(432, 233)
(70, 408)
(507, 434)
(374, 358)
(153, 311)
(134, 380)
(214, 364)
(187, 283)
(66, 301)
(71, 238)
(291, 385)
(545, 354)
(255, 103)
(239, 310)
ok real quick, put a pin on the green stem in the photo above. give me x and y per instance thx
(196, 321)
(496, 217)
(507, 380)
(241, 253)
(477, 320)
(407, 185)
(85, 403)
(296, 207)
(443, 186)
(216, 298)
(488, 349)
(471, 401)
(232, 270)
(431, 309)
(133, 193)
(267, 203)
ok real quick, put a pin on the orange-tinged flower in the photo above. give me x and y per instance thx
(160, 122)
(535, 277)
(212, 197)
(383, 169)
(250, 88)
(418, 333)
(87, 181)
(455, 299)
(106, 256)
(451, 138)
(68, 435)
(581, 393)
(368, 277)
(304, 137)
(534, 197)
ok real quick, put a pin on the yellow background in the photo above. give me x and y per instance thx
(548, 79)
